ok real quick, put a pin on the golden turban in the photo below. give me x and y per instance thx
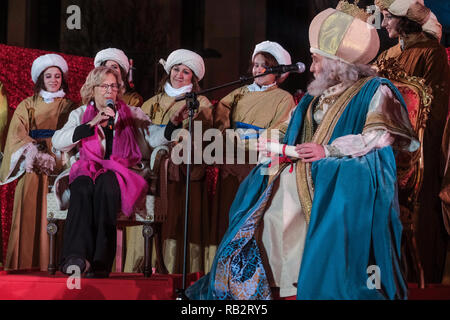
(343, 34)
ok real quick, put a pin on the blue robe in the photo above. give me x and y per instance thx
(354, 224)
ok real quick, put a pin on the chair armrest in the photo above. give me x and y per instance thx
(157, 159)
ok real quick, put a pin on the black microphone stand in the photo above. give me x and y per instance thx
(193, 104)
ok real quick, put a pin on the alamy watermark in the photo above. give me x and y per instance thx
(73, 22)
(74, 280)
(375, 19)
(213, 146)
(374, 280)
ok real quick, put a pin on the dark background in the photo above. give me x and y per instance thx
(223, 32)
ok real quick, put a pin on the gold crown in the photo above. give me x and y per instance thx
(383, 4)
(353, 10)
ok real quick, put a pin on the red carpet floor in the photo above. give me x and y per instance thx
(431, 292)
(126, 286)
(120, 286)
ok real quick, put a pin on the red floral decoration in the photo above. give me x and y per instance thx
(298, 96)
(448, 55)
(6, 207)
(15, 74)
(212, 174)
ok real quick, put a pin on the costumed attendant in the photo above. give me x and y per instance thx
(116, 59)
(250, 109)
(420, 54)
(184, 69)
(28, 157)
(100, 183)
(3, 131)
(332, 211)
(3, 116)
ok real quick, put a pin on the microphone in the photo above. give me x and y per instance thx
(110, 104)
(296, 67)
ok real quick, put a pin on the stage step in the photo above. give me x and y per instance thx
(119, 286)
(34, 285)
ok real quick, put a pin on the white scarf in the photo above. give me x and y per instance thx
(49, 97)
(172, 92)
(256, 88)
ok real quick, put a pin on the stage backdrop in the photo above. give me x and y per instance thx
(15, 74)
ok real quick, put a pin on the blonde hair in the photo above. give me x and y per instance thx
(96, 78)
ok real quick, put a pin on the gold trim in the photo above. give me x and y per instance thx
(305, 185)
(376, 120)
(308, 126)
(353, 10)
(384, 4)
(390, 69)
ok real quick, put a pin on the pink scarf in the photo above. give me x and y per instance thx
(125, 154)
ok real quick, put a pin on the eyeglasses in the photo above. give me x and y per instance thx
(113, 86)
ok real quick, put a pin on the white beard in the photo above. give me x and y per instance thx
(320, 84)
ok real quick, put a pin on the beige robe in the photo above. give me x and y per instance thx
(133, 99)
(28, 245)
(160, 108)
(263, 109)
(3, 116)
(266, 109)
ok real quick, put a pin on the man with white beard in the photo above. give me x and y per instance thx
(331, 227)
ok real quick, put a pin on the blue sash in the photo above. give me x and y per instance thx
(253, 134)
(41, 133)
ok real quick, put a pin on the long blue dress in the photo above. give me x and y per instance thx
(354, 222)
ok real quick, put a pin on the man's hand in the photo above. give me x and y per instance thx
(309, 152)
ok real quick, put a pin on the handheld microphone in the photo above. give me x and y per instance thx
(296, 67)
(110, 104)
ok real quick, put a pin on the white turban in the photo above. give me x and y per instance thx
(414, 10)
(113, 54)
(189, 58)
(47, 61)
(277, 51)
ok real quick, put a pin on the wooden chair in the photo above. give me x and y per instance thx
(152, 218)
(418, 97)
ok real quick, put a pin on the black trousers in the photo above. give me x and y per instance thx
(90, 227)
